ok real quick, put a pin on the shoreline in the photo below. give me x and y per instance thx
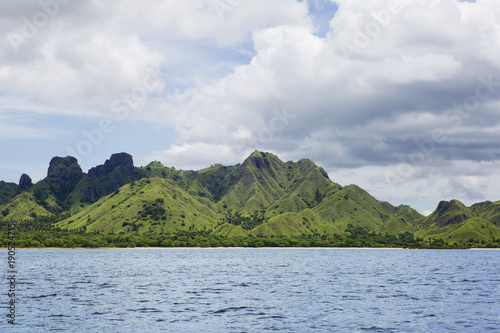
(284, 248)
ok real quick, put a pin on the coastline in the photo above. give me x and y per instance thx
(256, 248)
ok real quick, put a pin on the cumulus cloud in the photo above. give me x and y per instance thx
(397, 79)
(394, 98)
(194, 156)
(403, 97)
(86, 53)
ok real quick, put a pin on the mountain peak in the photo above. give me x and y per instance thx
(449, 212)
(24, 184)
(156, 164)
(59, 165)
(261, 196)
(123, 160)
(262, 161)
(261, 154)
(255, 153)
(64, 171)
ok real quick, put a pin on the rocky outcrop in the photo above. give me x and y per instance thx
(25, 184)
(64, 173)
(122, 161)
(62, 177)
(65, 170)
(116, 172)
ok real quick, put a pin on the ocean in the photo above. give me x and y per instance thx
(255, 290)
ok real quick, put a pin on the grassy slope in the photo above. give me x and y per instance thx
(404, 218)
(197, 200)
(295, 224)
(353, 205)
(156, 169)
(448, 213)
(254, 185)
(455, 223)
(45, 197)
(7, 192)
(110, 213)
(22, 207)
(304, 178)
(229, 230)
(475, 228)
(488, 210)
(205, 185)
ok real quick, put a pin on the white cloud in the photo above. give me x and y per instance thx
(88, 53)
(361, 98)
(381, 105)
(194, 156)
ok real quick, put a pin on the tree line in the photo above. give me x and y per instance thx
(44, 234)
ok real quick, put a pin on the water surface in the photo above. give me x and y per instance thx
(257, 290)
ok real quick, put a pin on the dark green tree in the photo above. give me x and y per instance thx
(318, 196)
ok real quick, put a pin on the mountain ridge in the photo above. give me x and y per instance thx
(262, 197)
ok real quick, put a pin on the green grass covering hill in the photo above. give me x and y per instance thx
(353, 205)
(448, 213)
(256, 184)
(157, 169)
(7, 192)
(292, 224)
(403, 218)
(23, 208)
(147, 206)
(475, 229)
(260, 202)
(307, 186)
(488, 210)
(229, 231)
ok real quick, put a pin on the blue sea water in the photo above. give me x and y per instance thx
(256, 290)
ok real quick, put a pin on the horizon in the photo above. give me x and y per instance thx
(399, 98)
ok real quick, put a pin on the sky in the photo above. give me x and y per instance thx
(401, 97)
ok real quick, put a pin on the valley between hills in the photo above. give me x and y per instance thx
(263, 201)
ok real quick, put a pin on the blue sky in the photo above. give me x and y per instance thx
(401, 100)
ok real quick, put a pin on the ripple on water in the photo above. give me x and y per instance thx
(249, 290)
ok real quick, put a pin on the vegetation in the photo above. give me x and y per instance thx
(7, 192)
(246, 222)
(261, 202)
(42, 233)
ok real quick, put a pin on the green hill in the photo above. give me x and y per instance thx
(475, 229)
(23, 208)
(448, 213)
(488, 210)
(402, 219)
(256, 184)
(148, 206)
(261, 198)
(307, 222)
(7, 192)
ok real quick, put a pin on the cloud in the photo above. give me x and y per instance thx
(392, 81)
(85, 53)
(378, 105)
(194, 156)
(365, 98)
